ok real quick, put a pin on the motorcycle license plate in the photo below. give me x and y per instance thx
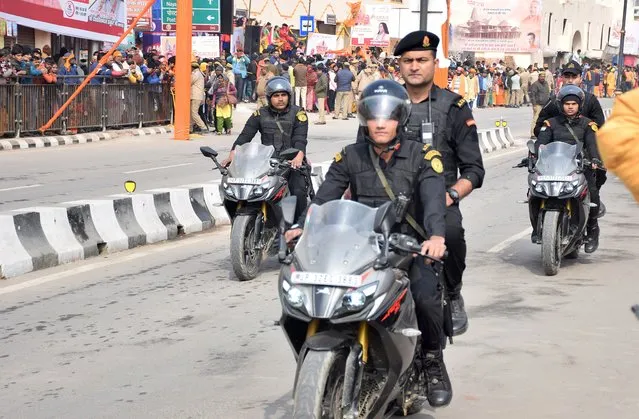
(554, 178)
(331, 280)
(243, 181)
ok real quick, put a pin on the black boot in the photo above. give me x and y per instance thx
(592, 240)
(439, 390)
(460, 318)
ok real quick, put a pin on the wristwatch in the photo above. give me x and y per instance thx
(454, 195)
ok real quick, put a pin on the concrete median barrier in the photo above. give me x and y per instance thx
(492, 139)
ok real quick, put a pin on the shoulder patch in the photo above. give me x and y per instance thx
(338, 157)
(256, 113)
(460, 103)
(593, 126)
(437, 165)
(431, 154)
(301, 116)
(547, 123)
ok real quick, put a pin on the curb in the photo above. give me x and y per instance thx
(89, 137)
(37, 238)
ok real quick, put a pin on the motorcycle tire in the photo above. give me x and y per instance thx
(245, 259)
(320, 384)
(551, 243)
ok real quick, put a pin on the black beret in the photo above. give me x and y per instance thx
(572, 67)
(417, 41)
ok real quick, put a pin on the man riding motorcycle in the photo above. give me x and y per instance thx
(571, 127)
(282, 125)
(388, 165)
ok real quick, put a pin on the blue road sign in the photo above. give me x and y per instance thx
(307, 24)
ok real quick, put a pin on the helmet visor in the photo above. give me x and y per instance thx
(383, 107)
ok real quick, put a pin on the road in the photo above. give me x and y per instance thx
(53, 175)
(165, 331)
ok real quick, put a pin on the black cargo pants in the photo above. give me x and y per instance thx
(455, 263)
(427, 293)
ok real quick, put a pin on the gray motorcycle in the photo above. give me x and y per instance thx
(558, 200)
(348, 313)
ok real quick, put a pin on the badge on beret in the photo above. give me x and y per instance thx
(431, 154)
(437, 165)
(571, 65)
(338, 157)
(301, 116)
(426, 42)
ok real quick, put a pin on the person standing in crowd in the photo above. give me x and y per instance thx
(343, 79)
(332, 87)
(515, 90)
(525, 86)
(473, 88)
(459, 83)
(197, 96)
(539, 96)
(224, 97)
(311, 81)
(612, 82)
(498, 89)
(300, 71)
(321, 91)
(239, 63)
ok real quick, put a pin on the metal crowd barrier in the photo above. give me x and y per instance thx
(28, 103)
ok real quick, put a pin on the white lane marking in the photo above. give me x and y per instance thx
(99, 265)
(157, 168)
(498, 155)
(510, 240)
(15, 188)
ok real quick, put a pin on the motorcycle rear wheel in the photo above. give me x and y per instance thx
(320, 385)
(245, 259)
(551, 252)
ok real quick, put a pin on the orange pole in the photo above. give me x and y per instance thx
(184, 21)
(104, 59)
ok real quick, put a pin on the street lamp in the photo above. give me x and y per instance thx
(622, 38)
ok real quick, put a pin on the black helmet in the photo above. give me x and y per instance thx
(570, 93)
(385, 99)
(278, 84)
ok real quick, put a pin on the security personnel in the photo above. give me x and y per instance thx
(385, 166)
(591, 108)
(571, 127)
(282, 125)
(444, 120)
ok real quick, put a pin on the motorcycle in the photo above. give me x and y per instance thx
(558, 198)
(251, 187)
(348, 313)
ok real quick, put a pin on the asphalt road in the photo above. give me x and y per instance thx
(88, 171)
(165, 331)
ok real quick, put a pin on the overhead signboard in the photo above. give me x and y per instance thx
(206, 15)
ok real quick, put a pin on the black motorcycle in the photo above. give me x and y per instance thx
(349, 315)
(559, 200)
(251, 187)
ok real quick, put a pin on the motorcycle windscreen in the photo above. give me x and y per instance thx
(251, 161)
(557, 159)
(338, 238)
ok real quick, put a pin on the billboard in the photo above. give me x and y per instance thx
(371, 26)
(133, 8)
(321, 43)
(99, 20)
(201, 46)
(496, 26)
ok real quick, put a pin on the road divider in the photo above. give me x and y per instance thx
(41, 237)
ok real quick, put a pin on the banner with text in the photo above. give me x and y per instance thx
(320, 43)
(133, 9)
(371, 26)
(496, 26)
(201, 46)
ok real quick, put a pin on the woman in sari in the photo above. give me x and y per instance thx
(498, 89)
(265, 38)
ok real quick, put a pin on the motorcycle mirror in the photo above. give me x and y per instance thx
(531, 146)
(289, 153)
(384, 219)
(288, 209)
(208, 152)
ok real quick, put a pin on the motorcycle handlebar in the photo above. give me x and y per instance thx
(408, 244)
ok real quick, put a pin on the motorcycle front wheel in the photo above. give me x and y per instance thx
(551, 251)
(320, 386)
(245, 258)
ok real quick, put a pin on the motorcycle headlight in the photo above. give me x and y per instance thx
(228, 189)
(295, 297)
(567, 188)
(356, 299)
(539, 188)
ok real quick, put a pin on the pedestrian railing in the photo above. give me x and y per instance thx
(28, 103)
